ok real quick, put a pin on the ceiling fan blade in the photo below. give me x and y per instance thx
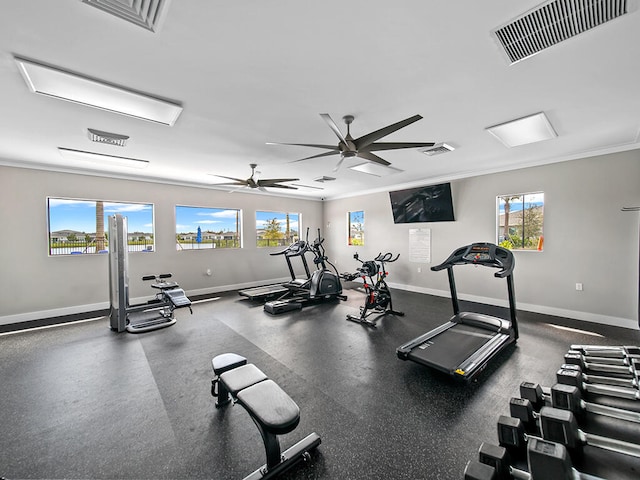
(338, 165)
(277, 185)
(243, 182)
(314, 145)
(269, 182)
(227, 184)
(368, 139)
(373, 158)
(333, 126)
(396, 145)
(326, 154)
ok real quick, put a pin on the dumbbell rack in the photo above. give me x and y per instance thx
(545, 435)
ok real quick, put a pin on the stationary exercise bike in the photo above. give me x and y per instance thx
(378, 295)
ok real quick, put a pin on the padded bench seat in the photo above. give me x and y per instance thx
(271, 409)
(270, 406)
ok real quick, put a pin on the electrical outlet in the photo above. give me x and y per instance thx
(579, 287)
(419, 269)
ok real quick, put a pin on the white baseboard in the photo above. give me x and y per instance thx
(558, 312)
(78, 309)
(529, 307)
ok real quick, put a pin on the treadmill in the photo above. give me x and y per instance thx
(464, 345)
(265, 292)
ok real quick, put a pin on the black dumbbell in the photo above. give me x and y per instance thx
(568, 397)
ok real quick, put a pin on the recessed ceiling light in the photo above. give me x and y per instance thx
(100, 159)
(68, 86)
(375, 169)
(522, 131)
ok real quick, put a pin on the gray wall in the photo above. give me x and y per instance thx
(35, 285)
(587, 239)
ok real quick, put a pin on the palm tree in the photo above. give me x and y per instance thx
(99, 226)
(507, 210)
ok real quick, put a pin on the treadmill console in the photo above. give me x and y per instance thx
(485, 254)
(478, 252)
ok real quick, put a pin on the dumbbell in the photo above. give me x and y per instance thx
(604, 365)
(568, 397)
(608, 351)
(576, 378)
(627, 382)
(559, 426)
(546, 460)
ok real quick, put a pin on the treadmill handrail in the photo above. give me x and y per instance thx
(296, 248)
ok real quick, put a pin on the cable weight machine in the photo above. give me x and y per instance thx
(158, 312)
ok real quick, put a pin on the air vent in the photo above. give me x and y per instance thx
(144, 13)
(324, 179)
(553, 22)
(106, 137)
(437, 149)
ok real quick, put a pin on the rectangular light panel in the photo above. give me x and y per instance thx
(375, 169)
(105, 161)
(63, 85)
(531, 129)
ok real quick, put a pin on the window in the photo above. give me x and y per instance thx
(275, 229)
(356, 228)
(520, 221)
(81, 226)
(199, 228)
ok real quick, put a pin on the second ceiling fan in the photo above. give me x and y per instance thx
(362, 147)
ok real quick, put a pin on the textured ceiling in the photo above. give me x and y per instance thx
(252, 72)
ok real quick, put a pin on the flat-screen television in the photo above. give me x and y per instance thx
(432, 203)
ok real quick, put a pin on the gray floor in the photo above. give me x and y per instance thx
(80, 401)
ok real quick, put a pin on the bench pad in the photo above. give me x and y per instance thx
(270, 406)
(227, 361)
(242, 377)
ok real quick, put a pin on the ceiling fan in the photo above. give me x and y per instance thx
(361, 147)
(260, 184)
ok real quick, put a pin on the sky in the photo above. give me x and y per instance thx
(530, 199)
(80, 215)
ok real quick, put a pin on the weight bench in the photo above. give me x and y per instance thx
(270, 408)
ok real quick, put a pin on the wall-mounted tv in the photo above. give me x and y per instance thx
(432, 203)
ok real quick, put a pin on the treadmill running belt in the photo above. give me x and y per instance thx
(450, 348)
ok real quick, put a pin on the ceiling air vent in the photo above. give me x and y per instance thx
(437, 149)
(106, 137)
(144, 13)
(553, 22)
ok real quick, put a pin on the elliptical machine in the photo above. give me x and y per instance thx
(324, 284)
(378, 295)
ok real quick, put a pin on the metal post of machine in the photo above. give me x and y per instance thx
(118, 277)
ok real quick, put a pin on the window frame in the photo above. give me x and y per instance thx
(107, 204)
(535, 205)
(286, 241)
(352, 241)
(237, 243)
